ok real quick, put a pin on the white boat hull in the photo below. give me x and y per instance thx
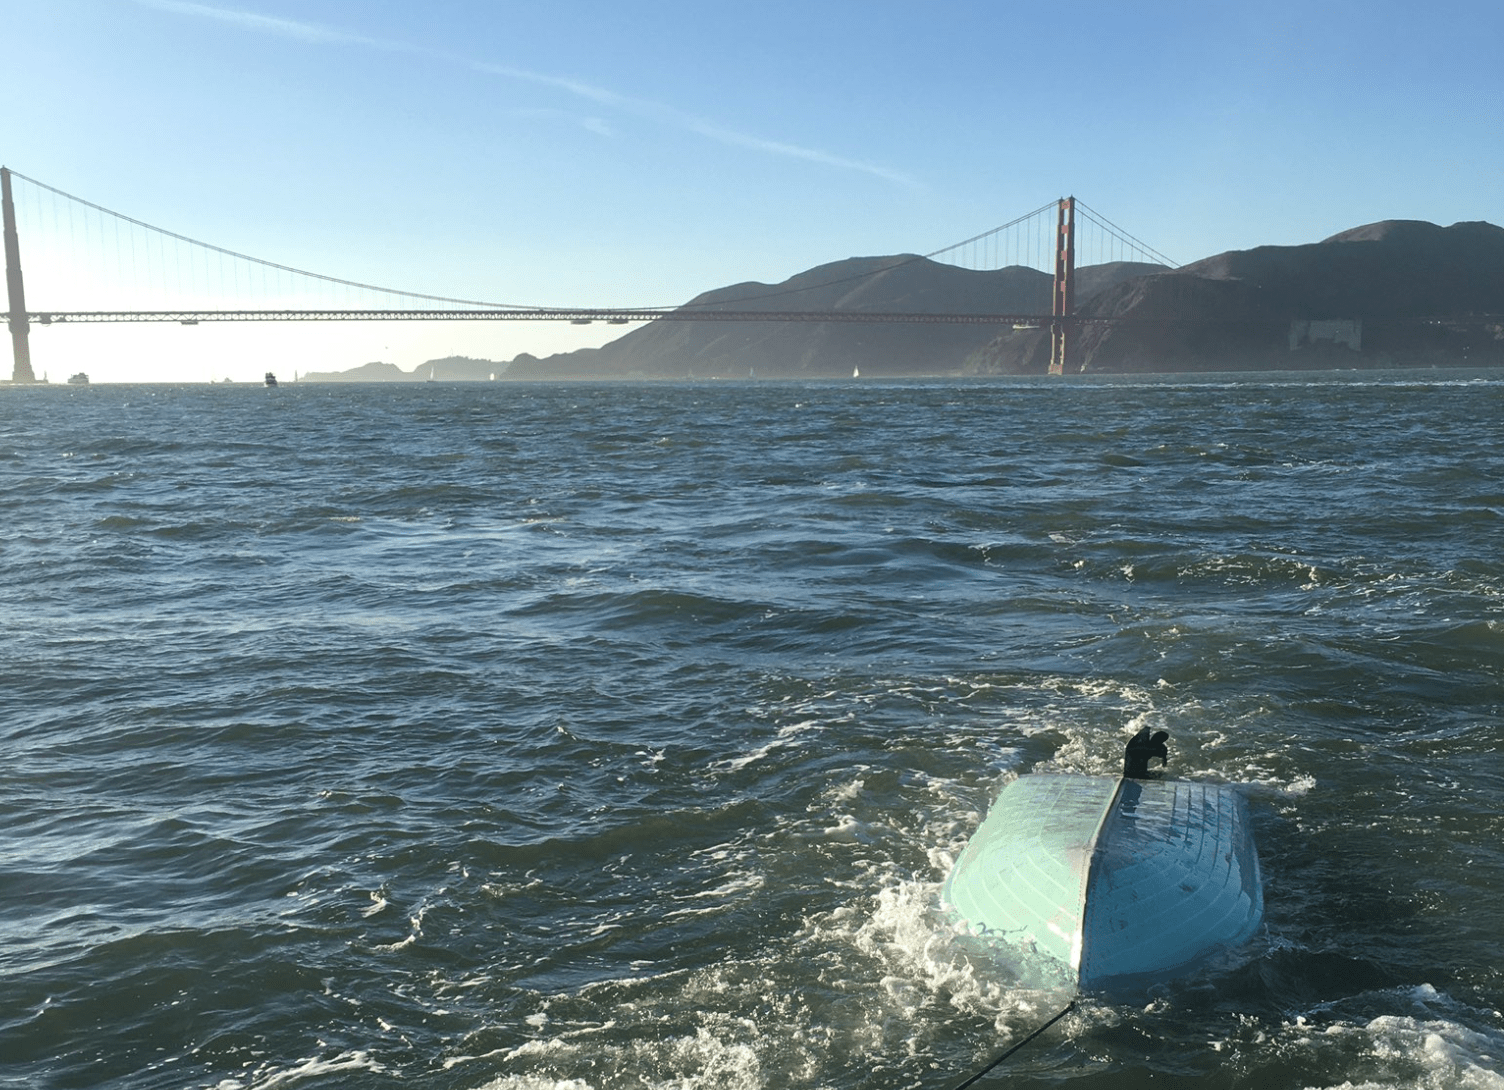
(1120, 880)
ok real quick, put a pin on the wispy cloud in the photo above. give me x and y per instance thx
(794, 151)
(675, 118)
(654, 111)
(598, 125)
(267, 24)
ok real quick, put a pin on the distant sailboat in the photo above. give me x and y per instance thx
(856, 372)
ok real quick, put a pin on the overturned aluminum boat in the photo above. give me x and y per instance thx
(1123, 880)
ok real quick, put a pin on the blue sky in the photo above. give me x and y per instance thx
(600, 153)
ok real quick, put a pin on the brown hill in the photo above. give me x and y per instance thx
(1401, 292)
(901, 283)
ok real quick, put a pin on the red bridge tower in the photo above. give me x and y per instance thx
(1064, 305)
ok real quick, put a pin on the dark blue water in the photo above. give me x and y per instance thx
(585, 737)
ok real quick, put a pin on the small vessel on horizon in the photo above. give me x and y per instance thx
(79, 379)
(271, 379)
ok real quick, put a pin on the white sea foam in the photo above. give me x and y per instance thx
(416, 924)
(268, 1078)
(879, 974)
(723, 1052)
(784, 736)
(1405, 1053)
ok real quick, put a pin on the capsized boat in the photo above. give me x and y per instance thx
(1123, 880)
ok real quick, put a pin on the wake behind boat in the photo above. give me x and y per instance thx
(1122, 880)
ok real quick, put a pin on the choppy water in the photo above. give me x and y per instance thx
(554, 737)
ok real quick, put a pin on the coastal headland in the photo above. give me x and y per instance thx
(1399, 293)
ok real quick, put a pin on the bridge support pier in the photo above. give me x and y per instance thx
(20, 325)
(1064, 304)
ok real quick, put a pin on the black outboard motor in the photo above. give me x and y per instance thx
(1141, 747)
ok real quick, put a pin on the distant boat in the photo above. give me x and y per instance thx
(79, 379)
(856, 372)
(1122, 881)
(271, 379)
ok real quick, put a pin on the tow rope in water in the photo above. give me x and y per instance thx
(1068, 1008)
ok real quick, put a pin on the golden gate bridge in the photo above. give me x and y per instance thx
(87, 247)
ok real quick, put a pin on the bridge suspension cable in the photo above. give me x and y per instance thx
(208, 247)
(1044, 240)
(1032, 251)
(1027, 241)
(1024, 241)
(1130, 244)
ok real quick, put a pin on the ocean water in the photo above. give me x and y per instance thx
(594, 737)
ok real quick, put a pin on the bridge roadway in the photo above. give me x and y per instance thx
(623, 316)
(578, 316)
